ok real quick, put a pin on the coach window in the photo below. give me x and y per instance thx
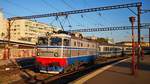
(88, 45)
(81, 44)
(105, 48)
(99, 48)
(75, 43)
(93, 46)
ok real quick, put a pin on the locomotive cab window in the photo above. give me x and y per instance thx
(42, 41)
(56, 41)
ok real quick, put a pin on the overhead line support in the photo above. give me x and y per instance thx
(109, 28)
(78, 11)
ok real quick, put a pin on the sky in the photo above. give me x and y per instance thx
(108, 18)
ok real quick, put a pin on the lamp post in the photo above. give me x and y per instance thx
(142, 46)
(132, 20)
(7, 46)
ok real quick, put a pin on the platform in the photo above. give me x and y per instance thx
(118, 73)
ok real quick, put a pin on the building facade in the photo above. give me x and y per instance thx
(24, 30)
(3, 26)
(29, 30)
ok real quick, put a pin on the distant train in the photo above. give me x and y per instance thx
(111, 50)
(62, 52)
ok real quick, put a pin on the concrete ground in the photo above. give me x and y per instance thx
(119, 74)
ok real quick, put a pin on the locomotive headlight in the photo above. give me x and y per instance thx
(56, 54)
(38, 53)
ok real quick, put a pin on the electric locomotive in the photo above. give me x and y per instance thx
(58, 53)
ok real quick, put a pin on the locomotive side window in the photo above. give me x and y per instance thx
(88, 45)
(56, 41)
(81, 44)
(66, 42)
(74, 43)
(42, 41)
(78, 43)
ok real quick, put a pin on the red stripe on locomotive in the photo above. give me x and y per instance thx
(46, 61)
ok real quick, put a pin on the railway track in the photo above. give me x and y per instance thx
(63, 78)
(75, 75)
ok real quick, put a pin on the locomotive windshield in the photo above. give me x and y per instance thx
(56, 41)
(42, 41)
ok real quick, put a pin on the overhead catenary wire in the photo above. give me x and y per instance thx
(49, 5)
(132, 11)
(79, 11)
(70, 26)
(145, 11)
(53, 21)
(67, 4)
(20, 6)
(57, 19)
(72, 8)
(99, 14)
(92, 18)
(109, 28)
(61, 23)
